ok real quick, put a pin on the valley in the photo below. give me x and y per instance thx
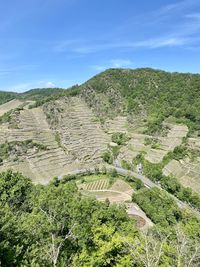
(101, 155)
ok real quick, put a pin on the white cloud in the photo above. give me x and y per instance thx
(178, 6)
(120, 63)
(4, 70)
(163, 42)
(113, 63)
(180, 34)
(50, 85)
(22, 87)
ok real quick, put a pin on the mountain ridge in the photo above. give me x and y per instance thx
(157, 111)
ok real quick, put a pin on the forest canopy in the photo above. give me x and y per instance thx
(55, 225)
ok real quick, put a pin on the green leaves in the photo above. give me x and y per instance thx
(14, 188)
(160, 208)
(54, 225)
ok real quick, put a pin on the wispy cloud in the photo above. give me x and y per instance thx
(163, 42)
(22, 87)
(153, 43)
(4, 70)
(119, 63)
(178, 6)
(113, 63)
(180, 28)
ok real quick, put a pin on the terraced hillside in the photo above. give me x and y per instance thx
(9, 106)
(80, 132)
(82, 140)
(32, 125)
(155, 148)
(118, 192)
(158, 111)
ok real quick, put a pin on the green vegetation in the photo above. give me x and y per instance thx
(58, 139)
(152, 141)
(169, 183)
(7, 96)
(18, 148)
(161, 94)
(112, 152)
(108, 157)
(134, 182)
(54, 225)
(42, 96)
(6, 117)
(119, 138)
(126, 165)
(161, 208)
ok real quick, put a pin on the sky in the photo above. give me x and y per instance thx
(58, 43)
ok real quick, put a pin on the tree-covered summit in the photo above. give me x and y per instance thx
(154, 93)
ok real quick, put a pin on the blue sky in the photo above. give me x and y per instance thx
(46, 43)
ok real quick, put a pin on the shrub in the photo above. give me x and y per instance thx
(119, 138)
(107, 157)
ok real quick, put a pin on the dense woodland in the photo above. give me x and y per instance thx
(7, 96)
(153, 93)
(54, 225)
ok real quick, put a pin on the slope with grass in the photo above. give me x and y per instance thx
(157, 110)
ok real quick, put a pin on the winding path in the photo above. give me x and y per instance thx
(147, 182)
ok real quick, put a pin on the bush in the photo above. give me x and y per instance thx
(67, 178)
(103, 170)
(113, 173)
(139, 184)
(126, 165)
(119, 138)
(107, 157)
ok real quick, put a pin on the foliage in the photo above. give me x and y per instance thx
(126, 165)
(58, 139)
(161, 94)
(7, 96)
(108, 157)
(169, 183)
(119, 138)
(6, 117)
(158, 206)
(54, 225)
(45, 226)
(14, 189)
(42, 96)
(18, 148)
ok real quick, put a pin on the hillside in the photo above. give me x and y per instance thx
(102, 174)
(155, 110)
(154, 93)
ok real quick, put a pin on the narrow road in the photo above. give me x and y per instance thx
(147, 182)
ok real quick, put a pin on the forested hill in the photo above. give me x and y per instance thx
(7, 96)
(161, 94)
(78, 211)
(33, 94)
(153, 93)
